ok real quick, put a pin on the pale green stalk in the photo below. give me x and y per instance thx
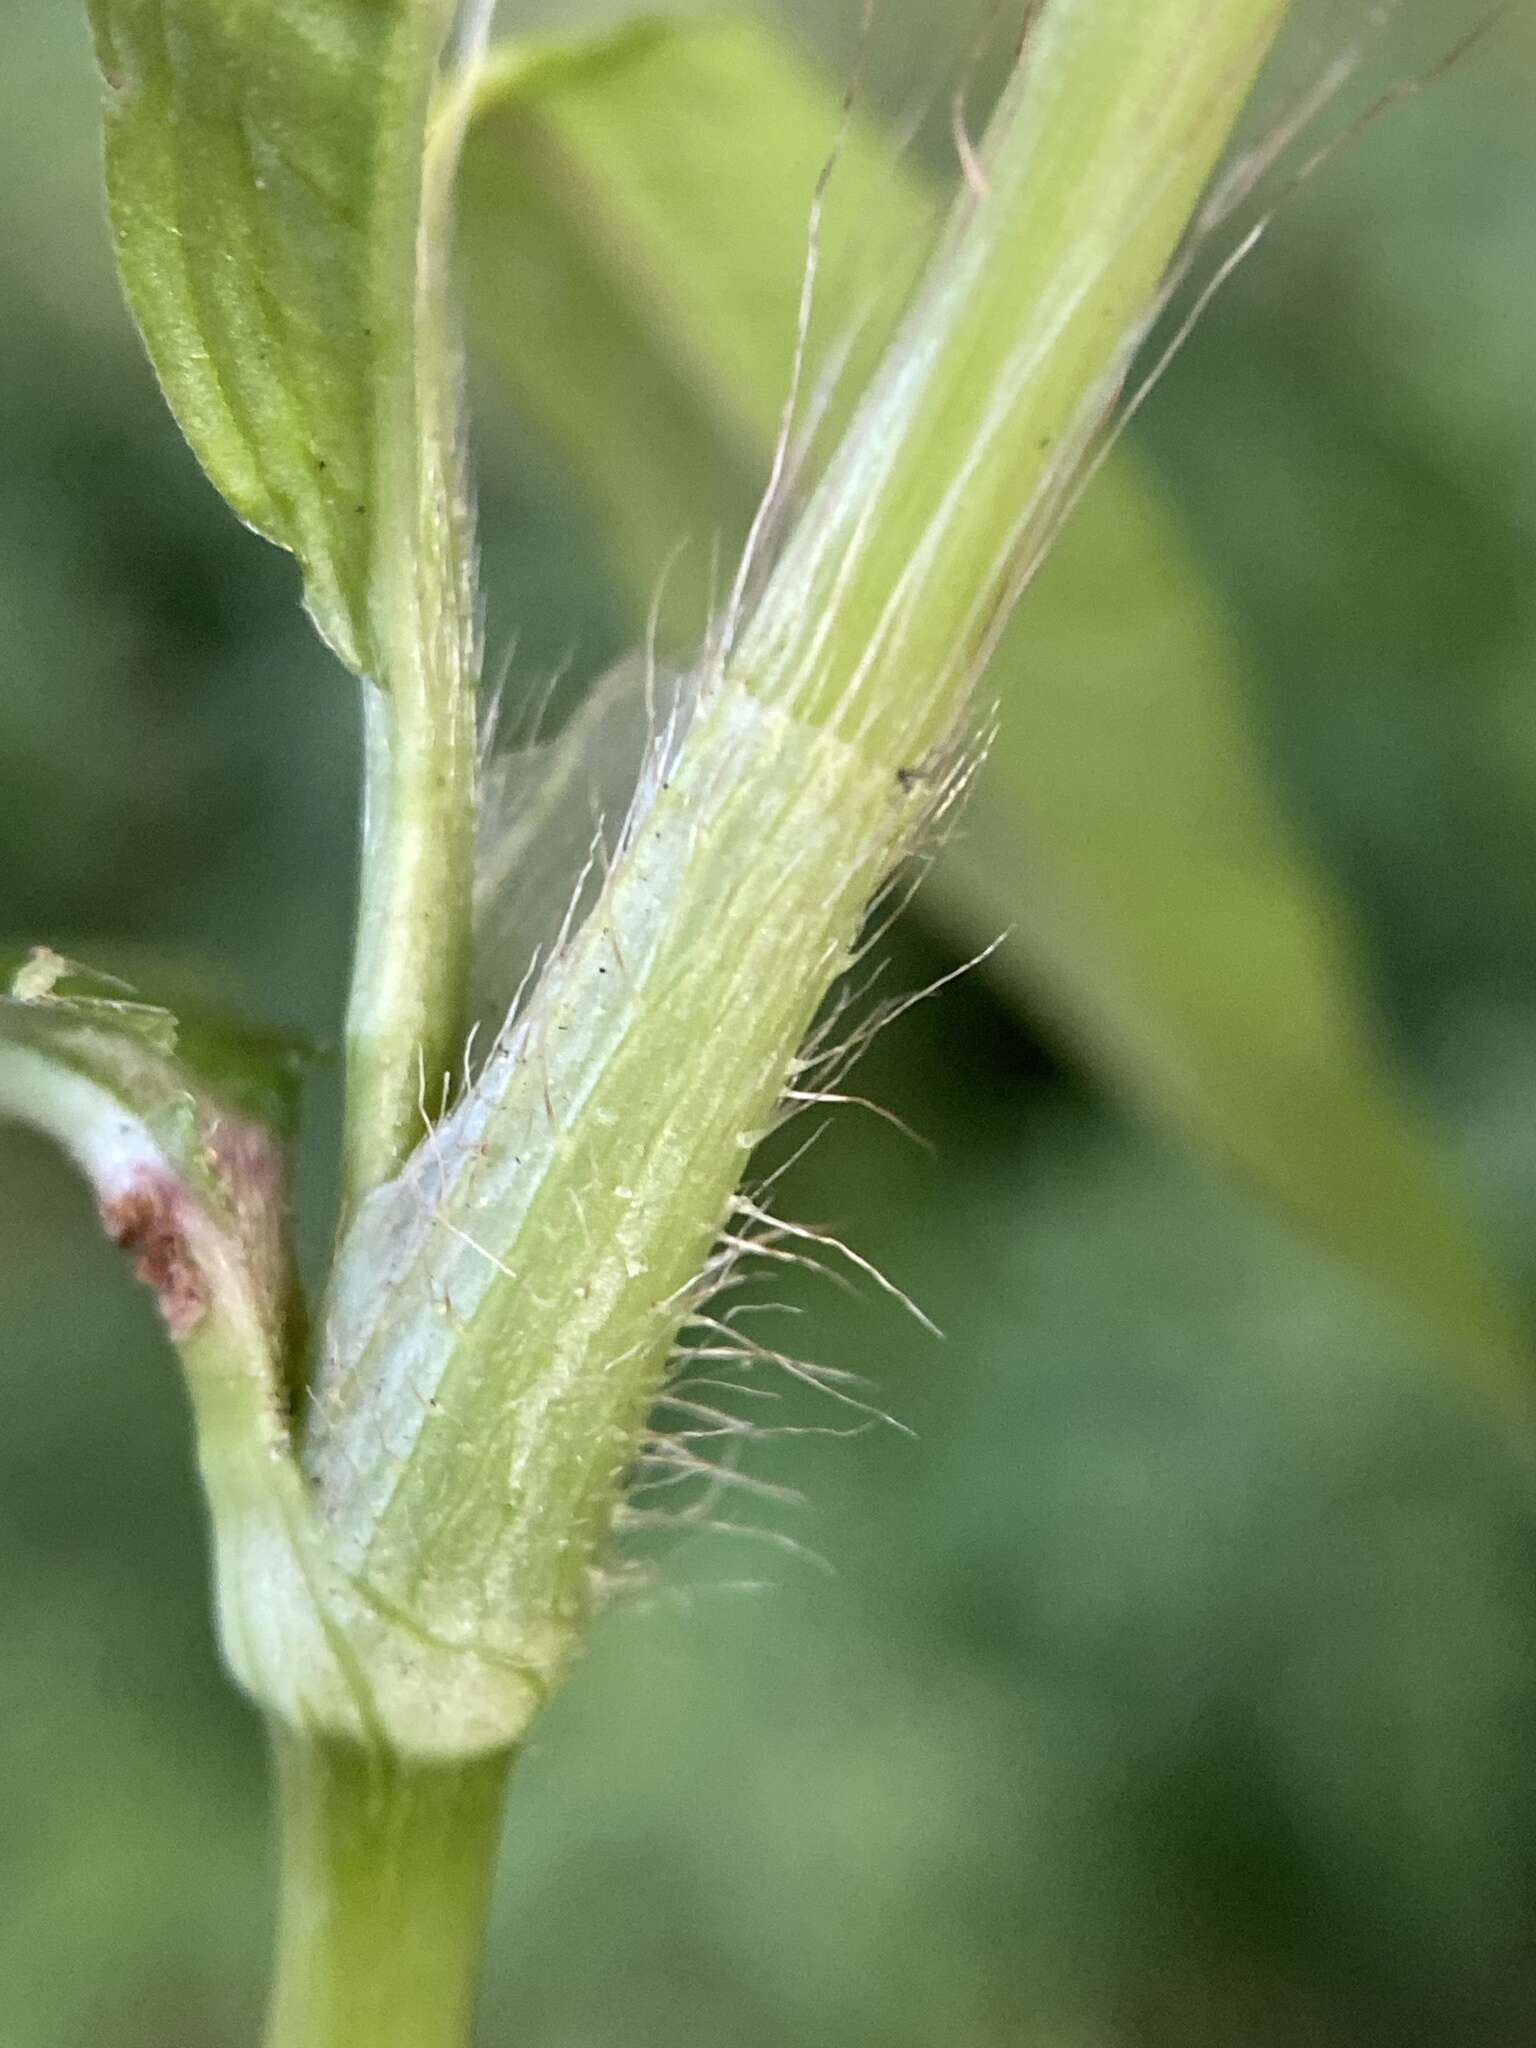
(402, 1580)
(405, 1015)
(410, 975)
(386, 1872)
(479, 1410)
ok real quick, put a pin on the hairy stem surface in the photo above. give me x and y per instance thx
(405, 1017)
(477, 1416)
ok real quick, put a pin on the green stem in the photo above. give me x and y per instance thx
(953, 478)
(410, 972)
(385, 1886)
(503, 1318)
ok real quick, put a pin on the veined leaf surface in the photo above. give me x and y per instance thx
(266, 176)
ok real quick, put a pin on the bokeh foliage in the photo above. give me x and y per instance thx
(1176, 1684)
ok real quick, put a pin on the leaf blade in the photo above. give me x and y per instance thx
(265, 187)
(1165, 916)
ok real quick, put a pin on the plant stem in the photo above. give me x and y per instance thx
(385, 1886)
(410, 973)
(410, 969)
(951, 483)
(470, 1461)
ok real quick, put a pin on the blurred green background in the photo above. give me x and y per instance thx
(1176, 1682)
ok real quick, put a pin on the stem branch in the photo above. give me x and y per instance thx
(410, 970)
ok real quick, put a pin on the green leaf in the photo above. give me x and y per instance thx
(186, 1173)
(1163, 913)
(265, 171)
(279, 173)
(254, 1068)
(1127, 832)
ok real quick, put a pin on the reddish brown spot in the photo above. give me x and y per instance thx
(143, 1220)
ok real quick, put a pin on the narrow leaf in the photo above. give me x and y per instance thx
(265, 171)
(1163, 914)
